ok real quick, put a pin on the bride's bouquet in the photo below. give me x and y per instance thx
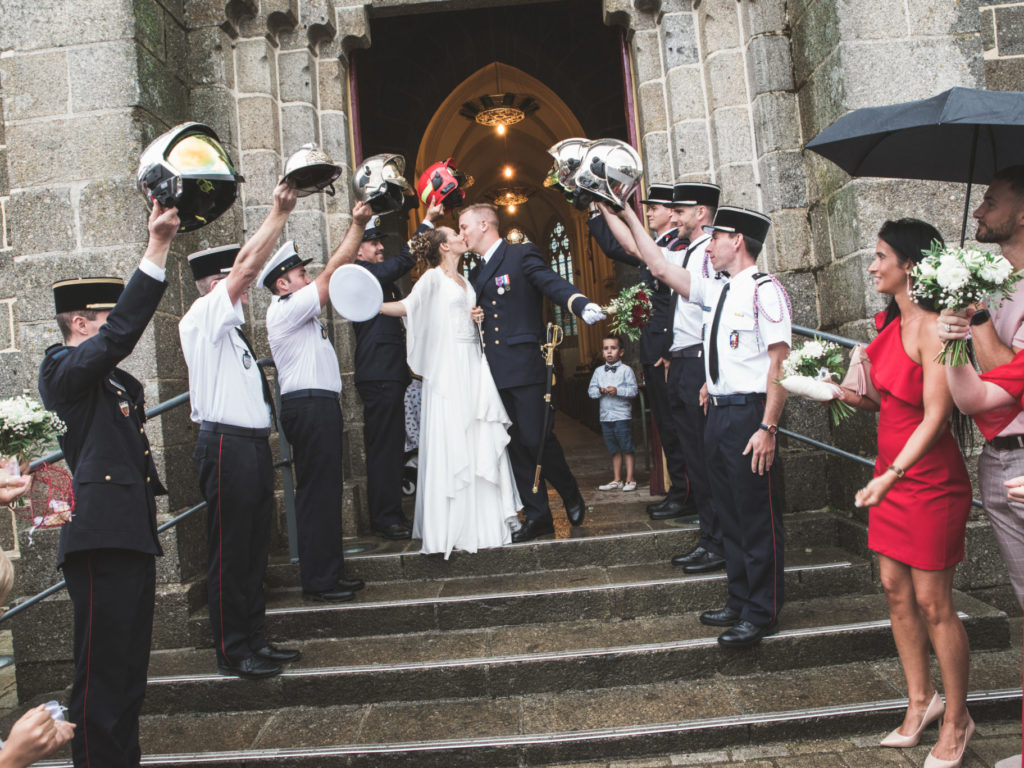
(630, 311)
(955, 278)
(812, 372)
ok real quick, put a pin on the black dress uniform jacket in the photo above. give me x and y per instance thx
(513, 322)
(656, 337)
(105, 445)
(380, 342)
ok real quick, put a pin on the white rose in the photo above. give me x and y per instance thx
(813, 349)
(952, 275)
(926, 270)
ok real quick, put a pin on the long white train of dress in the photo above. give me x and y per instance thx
(466, 495)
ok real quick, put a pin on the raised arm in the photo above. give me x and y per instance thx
(257, 249)
(345, 253)
(990, 351)
(600, 230)
(672, 275)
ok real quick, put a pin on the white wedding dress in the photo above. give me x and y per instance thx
(466, 495)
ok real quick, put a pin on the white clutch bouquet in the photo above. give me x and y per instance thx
(812, 371)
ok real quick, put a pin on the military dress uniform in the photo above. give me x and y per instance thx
(107, 551)
(307, 369)
(655, 340)
(744, 315)
(381, 376)
(236, 475)
(686, 376)
(511, 282)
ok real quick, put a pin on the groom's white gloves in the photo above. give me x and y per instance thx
(592, 313)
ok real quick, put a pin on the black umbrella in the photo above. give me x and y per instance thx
(962, 134)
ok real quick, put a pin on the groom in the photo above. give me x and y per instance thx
(511, 282)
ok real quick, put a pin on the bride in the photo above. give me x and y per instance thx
(466, 495)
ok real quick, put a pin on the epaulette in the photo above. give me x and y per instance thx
(56, 351)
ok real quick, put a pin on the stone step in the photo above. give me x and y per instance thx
(542, 658)
(863, 698)
(585, 592)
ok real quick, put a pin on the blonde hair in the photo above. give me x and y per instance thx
(483, 211)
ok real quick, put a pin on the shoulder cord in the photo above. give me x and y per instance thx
(783, 297)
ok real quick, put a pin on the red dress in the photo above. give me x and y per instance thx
(922, 520)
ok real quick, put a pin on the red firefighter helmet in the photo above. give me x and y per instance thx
(443, 183)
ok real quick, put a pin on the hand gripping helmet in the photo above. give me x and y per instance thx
(310, 170)
(568, 154)
(188, 168)
(610, 171)
(380, 181)
(443, 183)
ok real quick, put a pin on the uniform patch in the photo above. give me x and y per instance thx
(125, 408)
(246, 360)
(734, 340)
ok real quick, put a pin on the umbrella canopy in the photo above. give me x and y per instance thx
(962, 134)
(931, 138)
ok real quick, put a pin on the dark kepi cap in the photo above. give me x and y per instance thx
(659, 193)
(80, 293)
(373, 230)
(213, 261)
(286, 258)
(696, 193)
(746, 222)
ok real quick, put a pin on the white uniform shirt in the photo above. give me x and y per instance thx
(744, 334)
(223, 378)
(688, 316)
(304, 357)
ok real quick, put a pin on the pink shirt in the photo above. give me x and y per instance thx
(1008, 321)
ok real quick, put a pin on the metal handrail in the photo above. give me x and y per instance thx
(157, 410)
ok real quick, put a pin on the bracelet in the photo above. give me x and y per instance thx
(900, 472)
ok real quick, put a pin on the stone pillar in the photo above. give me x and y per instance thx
(1002, 35)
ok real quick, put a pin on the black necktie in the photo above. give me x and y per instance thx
(268, 398)
(713, 345)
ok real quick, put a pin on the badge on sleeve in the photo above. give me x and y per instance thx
(734, 340)
(504, 284)
(125, 409)
(246, 360)
(323, 329)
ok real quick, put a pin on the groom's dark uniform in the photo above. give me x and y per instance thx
(510, 287)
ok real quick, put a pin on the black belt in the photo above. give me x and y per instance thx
(300, 393)
(1007, 442)
(723, 400)
(695, 350)
(230, 429)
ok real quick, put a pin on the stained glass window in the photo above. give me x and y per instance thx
(561, 262)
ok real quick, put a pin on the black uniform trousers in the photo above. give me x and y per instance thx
(312, 423)
(668, 433)
(236, 477)
(685, 378)
(750, 507)
(384, 430)
(112, 591)
(525, 406)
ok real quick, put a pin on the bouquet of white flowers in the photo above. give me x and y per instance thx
(955, 278)
(26, 427)
(812, 372)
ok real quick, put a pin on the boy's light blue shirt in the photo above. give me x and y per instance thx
(614, 407)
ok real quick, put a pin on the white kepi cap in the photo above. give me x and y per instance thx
(355, 293)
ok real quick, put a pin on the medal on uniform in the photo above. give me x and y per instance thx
(125, 410)
(503, 283)
(734, 340)
(246, 360)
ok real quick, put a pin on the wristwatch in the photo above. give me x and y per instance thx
(771, 429)
(981, 316)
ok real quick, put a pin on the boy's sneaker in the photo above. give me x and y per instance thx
(630, 486)
(614, 485)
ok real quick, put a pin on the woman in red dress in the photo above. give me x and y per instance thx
(919, 497)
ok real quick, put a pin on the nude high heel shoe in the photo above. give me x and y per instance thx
(933, 762)
(936, 708)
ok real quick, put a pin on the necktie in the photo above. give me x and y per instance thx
(713, 344)
(267, 396)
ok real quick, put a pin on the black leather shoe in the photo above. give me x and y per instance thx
(251, 668)
(350, 585)
(692, 556)
(532, 529)
(668, 510)
(654, 506)
(746, 634)
(705, 563)
(394, 531)
(575, 508)
(336, 595)
(278, 655)
(724, 617)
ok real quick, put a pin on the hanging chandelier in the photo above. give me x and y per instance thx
(499, 109)
(506, 196)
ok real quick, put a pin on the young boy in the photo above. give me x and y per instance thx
(615, 384)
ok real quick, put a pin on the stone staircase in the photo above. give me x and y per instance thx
(585, 647)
